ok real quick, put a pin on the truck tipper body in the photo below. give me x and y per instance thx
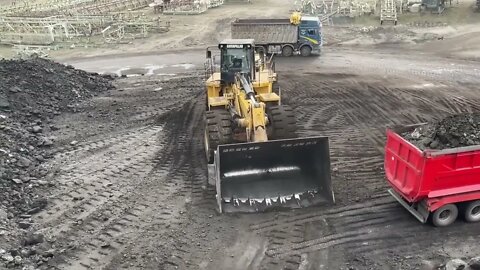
(280, 36)
(433, 184)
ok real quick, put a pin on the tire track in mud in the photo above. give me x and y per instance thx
(123, 186)
(287, 219)
(361, 113)
(187, 252)
(140, 100)
(99, 182)
(179, 173)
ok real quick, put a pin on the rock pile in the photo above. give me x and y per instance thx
(453, 131)
(459, 264)
(32, 93)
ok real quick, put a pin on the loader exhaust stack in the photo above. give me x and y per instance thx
(290, 173)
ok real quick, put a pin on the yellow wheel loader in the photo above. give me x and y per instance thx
(255, 159)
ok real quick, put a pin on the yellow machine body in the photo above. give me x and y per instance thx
(255, 159)
(253, 118)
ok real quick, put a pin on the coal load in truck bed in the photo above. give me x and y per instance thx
(453, 131)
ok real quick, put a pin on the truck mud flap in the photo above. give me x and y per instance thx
(419, 211)
(255, 177)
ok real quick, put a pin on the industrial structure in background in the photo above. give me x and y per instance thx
(52, 24)
(189, 7)
(255, 159)
(386, 10)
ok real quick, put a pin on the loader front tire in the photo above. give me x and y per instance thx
(218, 130)
(282, 122)
(445, 215)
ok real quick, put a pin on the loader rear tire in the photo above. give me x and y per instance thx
(218, 130)
(445, 215)
(472, 211)
(282, 122)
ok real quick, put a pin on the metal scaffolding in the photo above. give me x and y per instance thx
(71, 7)
(388, 11)
(79, 28)
(326, 9)
(52, 22)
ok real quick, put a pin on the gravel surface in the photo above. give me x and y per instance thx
(453, 131)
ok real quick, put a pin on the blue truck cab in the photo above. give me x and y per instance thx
(310, 33)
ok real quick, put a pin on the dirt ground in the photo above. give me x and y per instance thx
(132, 193)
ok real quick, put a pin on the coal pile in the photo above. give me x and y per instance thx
(32, 93)
(453, 131)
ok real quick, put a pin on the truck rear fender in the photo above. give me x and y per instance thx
(435, 203)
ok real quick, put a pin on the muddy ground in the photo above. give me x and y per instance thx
(132, 193)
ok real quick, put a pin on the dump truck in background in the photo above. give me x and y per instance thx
(439, 185)
(282, 36)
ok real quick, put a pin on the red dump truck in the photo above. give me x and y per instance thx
(437, 184)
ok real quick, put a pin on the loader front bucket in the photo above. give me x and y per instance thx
(290, 173)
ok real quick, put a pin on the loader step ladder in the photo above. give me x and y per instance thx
(388, 11)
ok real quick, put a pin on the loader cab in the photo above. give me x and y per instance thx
(237, 56)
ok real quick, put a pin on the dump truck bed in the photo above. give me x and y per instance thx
(265, 31)
(418, 175)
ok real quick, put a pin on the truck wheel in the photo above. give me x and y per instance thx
(218, 130)
(472, 211)
(287, 51)
(282, 123)
(445, 215)
(306, 51)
